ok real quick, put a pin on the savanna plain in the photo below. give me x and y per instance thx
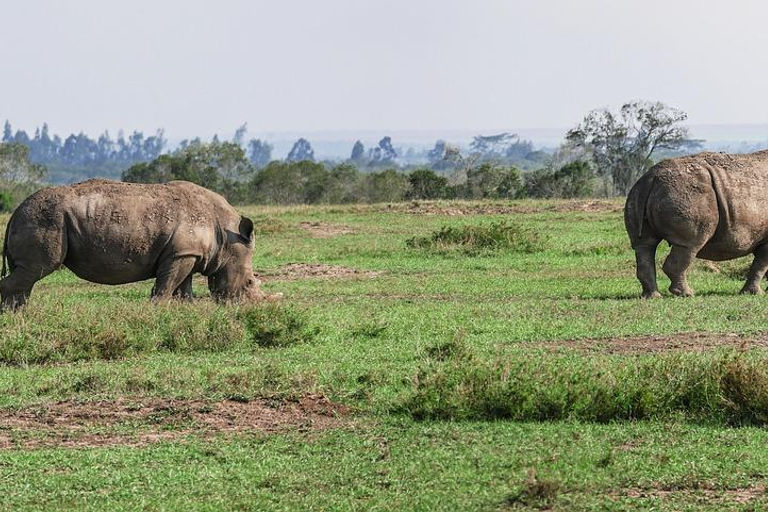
(425, 356)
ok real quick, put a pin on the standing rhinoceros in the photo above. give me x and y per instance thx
(712, 206)
(113, 233)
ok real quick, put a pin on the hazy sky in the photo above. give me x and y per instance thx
(198, 67)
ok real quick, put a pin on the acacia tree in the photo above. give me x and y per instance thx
(622, 144)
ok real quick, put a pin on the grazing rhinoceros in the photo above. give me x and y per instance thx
(113, 233)
(712, 206)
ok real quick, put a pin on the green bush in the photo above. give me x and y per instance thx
(472, 239)
(6, 201)
(722, 387)
(272, 324)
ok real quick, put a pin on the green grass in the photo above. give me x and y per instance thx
(464, 394)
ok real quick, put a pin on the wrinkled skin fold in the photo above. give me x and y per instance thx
(712, 206)
(115, 233)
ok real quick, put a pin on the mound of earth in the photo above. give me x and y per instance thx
(103, 423)
(294, 271)
(458, 209)
(325, 229)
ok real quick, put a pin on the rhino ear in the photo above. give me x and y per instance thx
(246, 228)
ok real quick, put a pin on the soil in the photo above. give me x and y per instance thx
(740, 495)
(689, 342)
(590, 206)
(104, 423)
(325, 229)
(294, 271)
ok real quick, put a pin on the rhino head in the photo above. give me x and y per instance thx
(234, 279)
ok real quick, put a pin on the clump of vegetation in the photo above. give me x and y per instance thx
(536, 492)
(275, 325)
(477, 238)
(39, 336)
(724, 387)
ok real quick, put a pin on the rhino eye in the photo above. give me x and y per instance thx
(251, 282)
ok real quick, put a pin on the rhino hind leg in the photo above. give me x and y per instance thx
(645, 256)
(757, 271)
(16, 287)
(676, 266)
(171, 276)
(184, 291)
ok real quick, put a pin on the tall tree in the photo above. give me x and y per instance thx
(240, 134)
(7, 132)
(259, 152)
(622, 145)
(301, 150)
(358, 152)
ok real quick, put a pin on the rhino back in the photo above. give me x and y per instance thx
(116, 232)
(730, 190)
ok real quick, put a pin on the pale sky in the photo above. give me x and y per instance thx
(199, 67)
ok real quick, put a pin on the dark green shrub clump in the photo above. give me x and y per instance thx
(474, 238)
(722, 387)
(274, 325)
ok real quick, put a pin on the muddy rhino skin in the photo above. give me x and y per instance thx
(114, 233)
(712, 206)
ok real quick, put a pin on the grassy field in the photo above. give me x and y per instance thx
(516, 370)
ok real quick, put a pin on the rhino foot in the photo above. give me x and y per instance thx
(681, 291)
(752, 290)
(651, 295)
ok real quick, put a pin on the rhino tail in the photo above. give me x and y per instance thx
(4, 270)
(637, 206)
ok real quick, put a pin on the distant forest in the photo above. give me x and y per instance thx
(78, 157)
(604, 155)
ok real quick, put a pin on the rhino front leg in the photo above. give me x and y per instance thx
(645, 255)
(171, 275)
(676, 265)
(184, 291)
(757, 271)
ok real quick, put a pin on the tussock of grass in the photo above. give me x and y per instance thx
(275, 325)
(477, 238)
(722, 387)
(98, 332)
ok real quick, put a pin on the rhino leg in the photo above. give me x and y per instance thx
(676, 265)
(757, 271)
(16, 287)
(171, 275)
(645, 255)
(184, 291)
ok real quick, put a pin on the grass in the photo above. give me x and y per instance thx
(465, 392)
(474, 239)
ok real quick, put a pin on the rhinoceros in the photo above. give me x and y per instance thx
(114, 233)
(712, 206)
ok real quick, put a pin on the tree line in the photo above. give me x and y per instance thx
(603, 155)
(225, 168)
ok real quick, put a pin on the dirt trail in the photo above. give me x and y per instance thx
(689, 341)
(325, 229)
(142, 421)
(294, 271)
(457, 209)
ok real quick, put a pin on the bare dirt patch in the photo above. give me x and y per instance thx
(458, 209)
(139, 422)
(294, 271)
(708, 492)
(325, 229)
(684, 342)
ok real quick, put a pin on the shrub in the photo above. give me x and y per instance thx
(275, 325)
(6, 201)
(473, 239)
(723, 387)
(576, 179)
